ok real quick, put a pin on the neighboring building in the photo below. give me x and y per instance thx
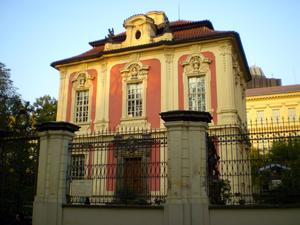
(259, 79)
(127, 79)
(273, 104)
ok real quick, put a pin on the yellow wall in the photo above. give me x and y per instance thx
(266, 105)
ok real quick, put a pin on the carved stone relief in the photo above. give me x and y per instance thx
(134, 71)
(196, 64)
(82, 81)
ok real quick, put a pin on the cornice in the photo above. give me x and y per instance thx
(274, 96)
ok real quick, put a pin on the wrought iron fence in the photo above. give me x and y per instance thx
(128, 167)
(18, 173)
(254, 166)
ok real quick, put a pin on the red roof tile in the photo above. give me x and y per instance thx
(181, 30)
(86, 55)
(192, 33)
(272, 90)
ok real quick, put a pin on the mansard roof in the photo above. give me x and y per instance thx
(183, 31)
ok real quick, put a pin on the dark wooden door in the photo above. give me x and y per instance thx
(133, 179)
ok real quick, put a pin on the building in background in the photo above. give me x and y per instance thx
(269, 102)
(273, 104)
(125, 80)
(259, 79)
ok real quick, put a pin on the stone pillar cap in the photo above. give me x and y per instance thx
(186, 115)
(57, 125)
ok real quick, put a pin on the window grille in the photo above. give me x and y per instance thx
(197, 93)
(134, 100)
(82, 106)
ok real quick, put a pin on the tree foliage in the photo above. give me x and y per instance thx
(276, 175)
(44, 109)
(10, 101)
(19, 146)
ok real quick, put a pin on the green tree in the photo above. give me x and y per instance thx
(19, 146)
(281, 164)
(44, 109)
(10, 101)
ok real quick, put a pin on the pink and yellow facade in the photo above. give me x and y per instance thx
(127, 79)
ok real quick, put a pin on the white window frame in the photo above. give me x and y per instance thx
(197, 66)
(134, 73)
(199, 102)
(82, 82)
(260, 116)
(292, 114)
(276, 115)
(134, 97)
(81, 109)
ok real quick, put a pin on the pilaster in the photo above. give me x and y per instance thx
(62, 97)
(227, 109)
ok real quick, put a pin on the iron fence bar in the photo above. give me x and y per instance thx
(127, 167)
(264, 171)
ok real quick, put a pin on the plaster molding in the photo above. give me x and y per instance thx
(196, 64)
(225, 51)
(134, 72)
(82, 80)
(260, 97)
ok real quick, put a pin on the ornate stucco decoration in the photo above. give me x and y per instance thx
(236, 69)
(134, 72)
(141, 29)
(225, 52)
(238, 74)
(196, 64)
(82, 81)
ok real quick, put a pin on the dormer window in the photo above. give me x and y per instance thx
(142, 29)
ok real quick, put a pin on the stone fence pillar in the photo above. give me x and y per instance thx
(187, 201)
(52, 172)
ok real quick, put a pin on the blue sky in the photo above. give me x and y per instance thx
(35, 33)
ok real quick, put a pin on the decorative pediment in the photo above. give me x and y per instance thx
(196, 64)
(82, 80)
(141, 29)
(134, 71)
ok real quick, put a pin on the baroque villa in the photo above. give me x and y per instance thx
(125, 80)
